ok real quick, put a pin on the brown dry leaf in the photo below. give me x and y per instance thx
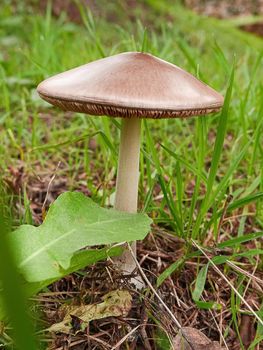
(193, 339)
(115, 303)
(247, 330)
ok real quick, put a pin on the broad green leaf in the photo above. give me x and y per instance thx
(88, 257)
(73, 222)
(79, 260)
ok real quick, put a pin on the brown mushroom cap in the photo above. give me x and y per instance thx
(130, 84)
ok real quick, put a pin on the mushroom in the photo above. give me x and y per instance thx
(131, 86)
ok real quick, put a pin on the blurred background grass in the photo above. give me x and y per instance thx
(34, 45)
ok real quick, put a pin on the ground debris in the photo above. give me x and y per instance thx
(226, 9)
(156, 253)
(115, 303)
(247, 330)
(192, 339)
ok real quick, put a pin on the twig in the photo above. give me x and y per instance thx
(48, 188)
(248, 274)
(99, 341)
(217, 325)
(125, 337)
(154, 291)
(226, 204)
(73, 344)
(144, 320)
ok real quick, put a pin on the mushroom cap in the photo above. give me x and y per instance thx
(130, 84)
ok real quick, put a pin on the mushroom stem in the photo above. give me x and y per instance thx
(127, 181)
(128, 168)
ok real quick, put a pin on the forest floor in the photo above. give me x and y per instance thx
(45, 152)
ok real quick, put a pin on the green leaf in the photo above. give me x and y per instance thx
(220, 259)
(199, 287)
(250, 252)
(88, 257)
(206, 305)
(238, 240)
(200, 283)
(167, 272)
(162, 340)
(79, 260)
(73, 222)
(243, 201)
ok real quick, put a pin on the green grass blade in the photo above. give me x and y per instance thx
(242, 202)
(239, 240)
(201, 127)
(185, 163)
(167, 272)
(221, 131)
(144, 47)
(168, 196)
(233, 166)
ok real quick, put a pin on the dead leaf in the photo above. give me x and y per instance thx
(192, 339)
(247, 330)
(115, 303)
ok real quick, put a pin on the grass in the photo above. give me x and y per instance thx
(200, 177)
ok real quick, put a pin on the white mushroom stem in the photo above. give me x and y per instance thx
(127, 181)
